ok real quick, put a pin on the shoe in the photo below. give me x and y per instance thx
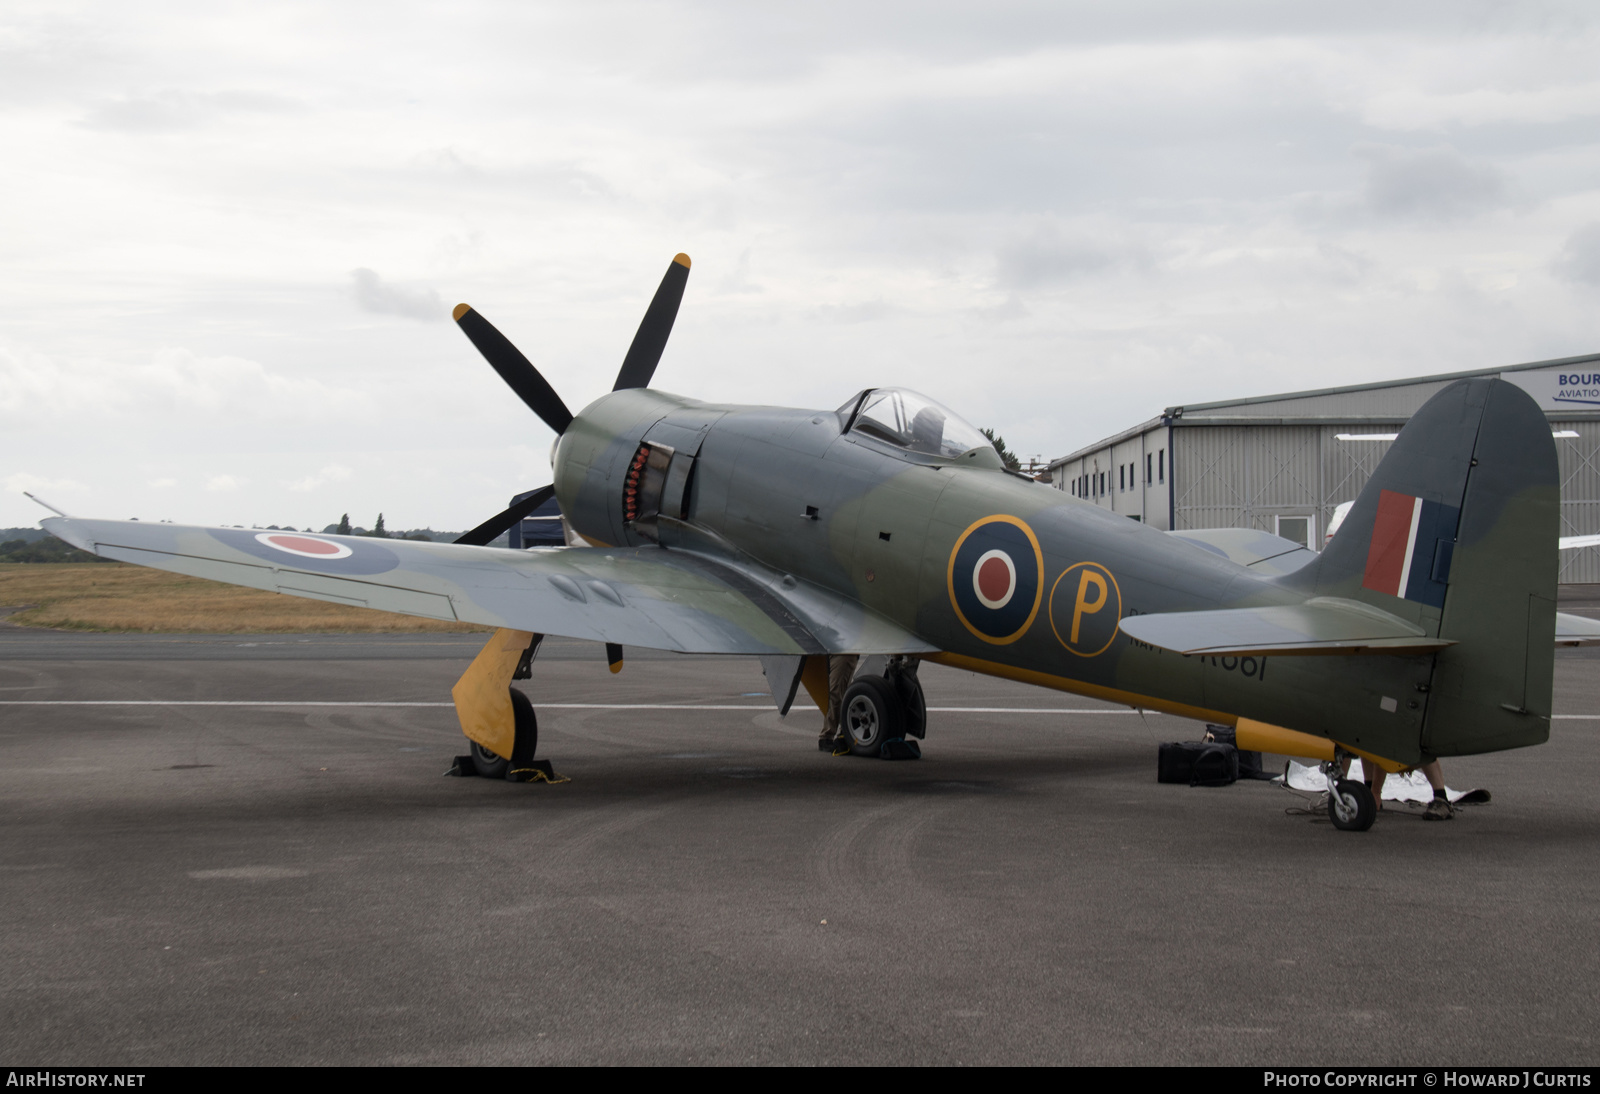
(1438, 809)
(825, 744)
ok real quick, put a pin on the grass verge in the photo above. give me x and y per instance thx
(118, 597)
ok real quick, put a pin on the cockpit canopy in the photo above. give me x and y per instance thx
(914, 422)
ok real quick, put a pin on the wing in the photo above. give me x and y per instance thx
(1322, 625)
(638, 596)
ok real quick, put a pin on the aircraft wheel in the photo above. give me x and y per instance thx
(871, 715)
(1351, 806)
(488, 765)
(491, 766)
(527, 742)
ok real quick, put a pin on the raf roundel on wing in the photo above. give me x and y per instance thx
(305, 546)
(995, 578)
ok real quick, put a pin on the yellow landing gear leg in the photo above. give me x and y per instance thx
(497, 719)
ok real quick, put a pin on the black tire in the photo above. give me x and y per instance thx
(526, 741)
(1351, 806)
(486, 763)
(871, 715)
(913, 707)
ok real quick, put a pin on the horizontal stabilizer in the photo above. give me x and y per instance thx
(1576, 630)
(1321, 626)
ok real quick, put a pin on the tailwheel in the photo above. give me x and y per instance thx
(1351, 806)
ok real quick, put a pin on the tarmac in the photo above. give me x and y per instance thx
(229, 850)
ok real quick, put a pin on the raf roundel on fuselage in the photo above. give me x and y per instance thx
(996, 578)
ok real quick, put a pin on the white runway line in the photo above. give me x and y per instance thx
(576, 706)
(549, 706)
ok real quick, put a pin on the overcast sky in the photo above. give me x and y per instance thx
(232, 233)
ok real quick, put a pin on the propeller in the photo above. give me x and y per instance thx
(649, 342)
(516, 370)
(498, 523)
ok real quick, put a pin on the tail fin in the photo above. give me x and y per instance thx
(1457, 533)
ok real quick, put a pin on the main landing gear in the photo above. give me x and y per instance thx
(880, 712)
(499, 720)
(489, 765)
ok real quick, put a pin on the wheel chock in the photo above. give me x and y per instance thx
(536, 771)
(900, 749)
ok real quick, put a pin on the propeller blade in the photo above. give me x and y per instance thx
(515, 369)
(498, 523)
(651, 339)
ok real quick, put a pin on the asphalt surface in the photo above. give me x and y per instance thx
(288, 883)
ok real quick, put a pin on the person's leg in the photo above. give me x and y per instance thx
(1375, 781)
(1439, 808)
(841, 669)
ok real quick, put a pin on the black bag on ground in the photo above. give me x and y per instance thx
(1197, 763)
(1249, 762)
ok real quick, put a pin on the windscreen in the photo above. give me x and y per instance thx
(915, 422)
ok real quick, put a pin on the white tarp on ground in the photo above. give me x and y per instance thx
(1412, 787)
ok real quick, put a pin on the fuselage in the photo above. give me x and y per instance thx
(1004, 575)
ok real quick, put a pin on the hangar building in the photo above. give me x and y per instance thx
(1283, 463)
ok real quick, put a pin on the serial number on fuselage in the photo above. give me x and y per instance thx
(1249, 666)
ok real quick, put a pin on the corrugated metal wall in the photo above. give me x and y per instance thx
(1245, 476)
(1579, 458)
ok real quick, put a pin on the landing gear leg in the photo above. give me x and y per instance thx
(499, 720)
(1351, 806)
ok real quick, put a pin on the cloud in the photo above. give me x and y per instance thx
(332, 473)
(220, 483)
(39, 484)
(162, 484)
(1046, 258)
(177, 111)
(1436, 183)
(868, 311)
(375, 296)
(1579, 260)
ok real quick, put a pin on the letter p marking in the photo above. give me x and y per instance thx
(1084, 606)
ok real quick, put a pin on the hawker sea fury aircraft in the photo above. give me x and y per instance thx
(890, 527)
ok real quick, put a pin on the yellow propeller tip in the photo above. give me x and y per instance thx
(460, 310)
(681, 259)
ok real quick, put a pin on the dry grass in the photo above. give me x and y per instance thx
(100, 596)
